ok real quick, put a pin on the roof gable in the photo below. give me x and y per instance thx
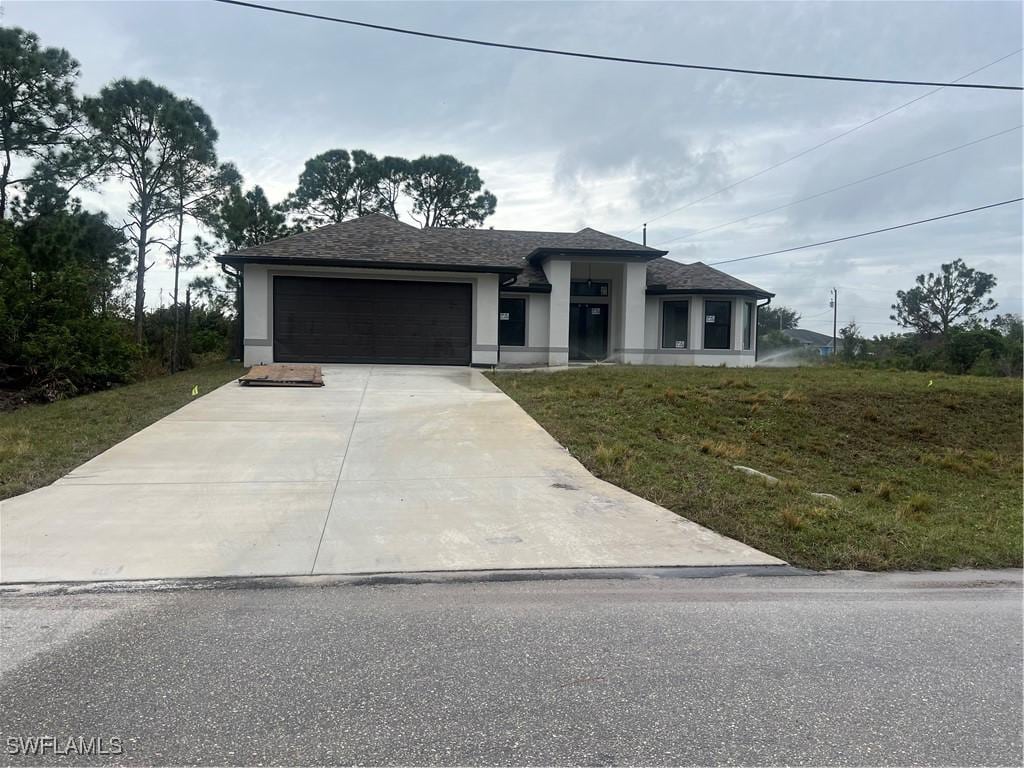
(668, 276)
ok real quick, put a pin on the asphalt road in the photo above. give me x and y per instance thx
(839, 669)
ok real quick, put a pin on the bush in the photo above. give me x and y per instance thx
(202, 331)
(60, 331)
(983, 350)
(966, 345)
(87, 354)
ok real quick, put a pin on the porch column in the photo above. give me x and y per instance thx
(634, 308)
(557, 273)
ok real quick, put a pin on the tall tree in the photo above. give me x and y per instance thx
(777, 318)
(39, 112)
(142, 131)
(445, 192)
(238, 220)
(392, 173)
(242, 220)
(956, 295)
(851, 341)
(197, 181)
(365, 174)
(324, 193)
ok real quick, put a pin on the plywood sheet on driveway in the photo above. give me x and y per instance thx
(283, 375)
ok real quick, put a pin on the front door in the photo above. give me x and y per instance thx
(588, 331)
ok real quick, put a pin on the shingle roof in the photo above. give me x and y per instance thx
(377, 239)
(516, 247)
(370, 239)
(668, 275)
(805, 336)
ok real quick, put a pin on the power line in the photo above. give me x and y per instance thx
(822, 144)
(845, 186)
(872, 232)
(820, 314)
(602, 57)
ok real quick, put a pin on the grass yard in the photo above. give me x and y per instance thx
(928, 468)
(40, 443)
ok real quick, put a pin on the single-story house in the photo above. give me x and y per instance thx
(811, 340)
(374, 289)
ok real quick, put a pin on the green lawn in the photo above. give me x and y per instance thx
(40, 443)
(927, 467)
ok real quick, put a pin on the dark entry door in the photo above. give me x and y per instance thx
(337, 320)
(588, 331)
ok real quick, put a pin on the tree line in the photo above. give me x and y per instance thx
(71, 279)
(947, 329)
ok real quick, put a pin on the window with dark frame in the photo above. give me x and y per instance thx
(588, 288)
(512, 322)
(748, 325)
(675, 324)
(717, 324)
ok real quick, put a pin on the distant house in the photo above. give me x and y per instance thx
(811, 340)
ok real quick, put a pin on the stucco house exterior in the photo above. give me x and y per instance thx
(377, 290)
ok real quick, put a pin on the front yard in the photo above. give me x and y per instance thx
(927, 468)
(40, 443)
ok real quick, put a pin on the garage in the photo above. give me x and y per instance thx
(341, 320)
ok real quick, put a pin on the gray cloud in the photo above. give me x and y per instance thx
(566, 143)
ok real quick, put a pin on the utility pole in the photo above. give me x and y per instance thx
(834, 303)
(645, 234)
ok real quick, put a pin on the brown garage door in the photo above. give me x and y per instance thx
(334, 320)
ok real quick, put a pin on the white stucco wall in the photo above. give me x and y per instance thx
(535, 351)
(258, 299)
(695, 354)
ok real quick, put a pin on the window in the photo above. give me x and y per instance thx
(512, 322)
(748, 325)
(717, 324)
(588, 288)
(675, 324)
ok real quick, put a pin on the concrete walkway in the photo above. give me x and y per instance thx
(386, 468)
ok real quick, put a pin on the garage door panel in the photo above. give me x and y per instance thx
(365, 321)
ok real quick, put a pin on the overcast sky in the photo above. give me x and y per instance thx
(567, 143)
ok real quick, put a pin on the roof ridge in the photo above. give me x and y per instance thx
(492, 229)
(331, 225)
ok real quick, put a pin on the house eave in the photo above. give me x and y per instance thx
(646, 254)
(237, 261)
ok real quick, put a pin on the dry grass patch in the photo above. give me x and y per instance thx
(793, 396)
(791, 519)
(612, 457)
(722, 449)
(920, 503)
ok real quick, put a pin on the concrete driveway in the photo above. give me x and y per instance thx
(386, 468)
